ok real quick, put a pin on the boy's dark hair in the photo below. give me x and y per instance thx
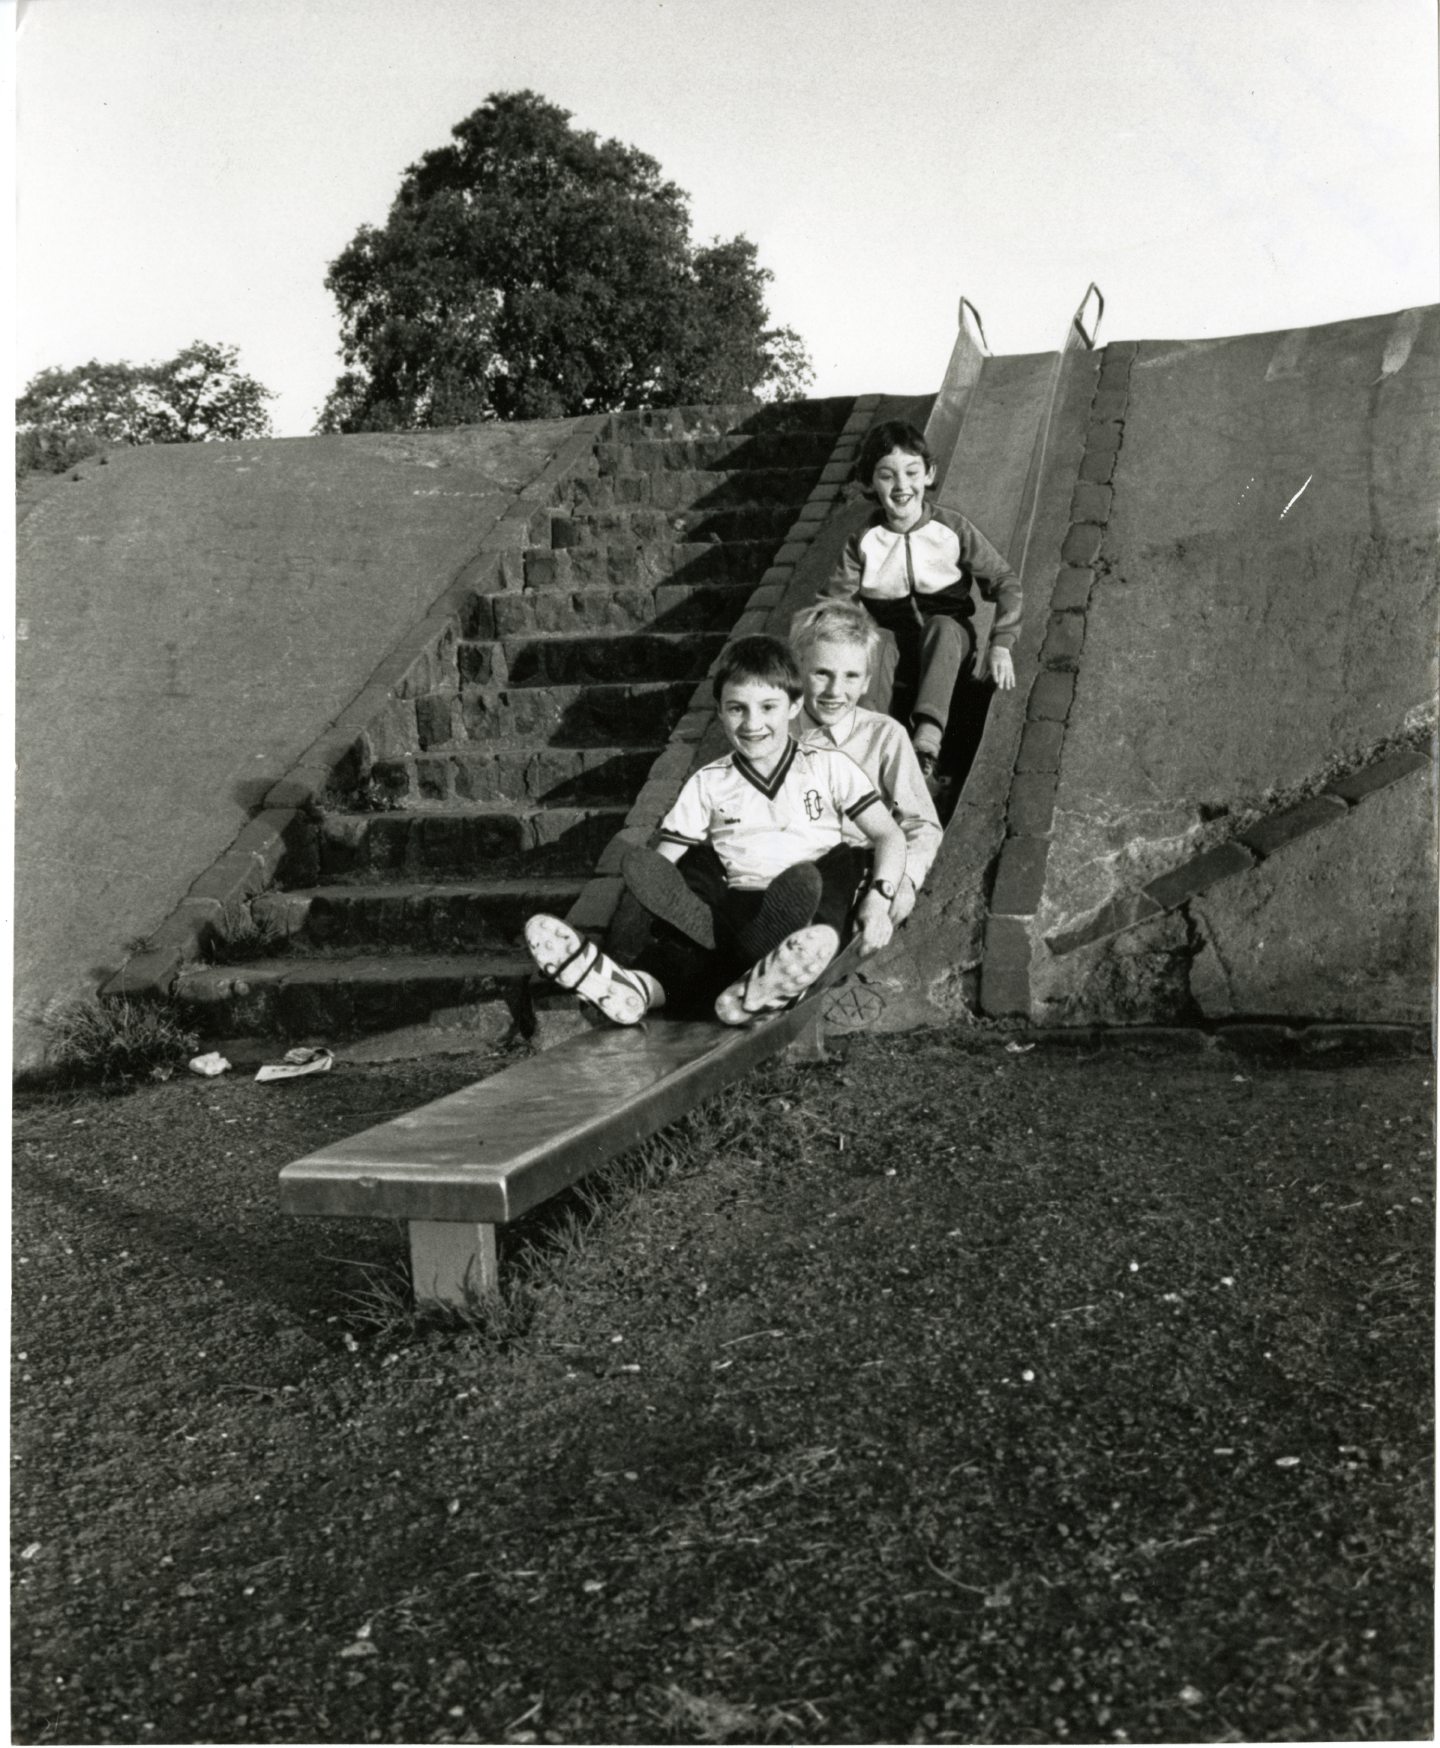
(761, 658)
(881, 439)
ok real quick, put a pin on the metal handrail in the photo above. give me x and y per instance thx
(1087, 336)
(965, 304)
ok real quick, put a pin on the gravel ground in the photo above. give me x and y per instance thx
(945, 1392)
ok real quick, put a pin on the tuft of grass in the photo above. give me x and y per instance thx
(383, 1308)
(243, 936)
(699, 1717)
(111, 1038)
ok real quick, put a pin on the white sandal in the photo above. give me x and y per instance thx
(781, 977)
(576, 964)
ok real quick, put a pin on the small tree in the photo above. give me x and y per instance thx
(530, 270)
(197, 396)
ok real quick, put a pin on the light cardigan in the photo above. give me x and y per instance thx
(931, 566)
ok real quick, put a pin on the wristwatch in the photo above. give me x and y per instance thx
(886, 889)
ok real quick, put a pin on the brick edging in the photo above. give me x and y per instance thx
(1256, 843)
(282, 825)
(594, 908)
(1030, 807)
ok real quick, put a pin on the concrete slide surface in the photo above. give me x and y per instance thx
(190, 619)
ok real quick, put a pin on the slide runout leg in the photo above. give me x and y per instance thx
(452, 1262)
(808, 1044)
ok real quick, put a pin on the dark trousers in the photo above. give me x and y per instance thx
(691, 975)
(918, 664)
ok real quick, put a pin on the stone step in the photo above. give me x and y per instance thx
(715, 454)
(572, 716)
(668, 607)
(587, 528)
(345, 995)
(525, 774)
(690, 489)
(606, 658)
(449, 917)
(486, 841)
(627, 561)
(740, 419)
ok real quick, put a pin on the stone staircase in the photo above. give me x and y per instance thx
(403, 900)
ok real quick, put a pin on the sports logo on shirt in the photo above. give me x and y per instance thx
(814, 806)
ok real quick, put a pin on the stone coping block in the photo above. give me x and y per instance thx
(1380, 775)
(1031, 807)
(1005, 968)
(1109, 403)
(1114, 373)
(771, 595)
(1198, 874)
(1020, 877)
(1051, 697)
(652, 803)
(629, 837)
(1122, 912)
(1097, 469)
(1267, 835)
(1040, 744)
(1072, 589)
(1082, 544)
(247, 866)
(1091, 503)
(1064, 639)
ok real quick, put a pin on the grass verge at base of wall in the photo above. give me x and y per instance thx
(113, 1042)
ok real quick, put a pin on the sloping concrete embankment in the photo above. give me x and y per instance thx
(190, 620)
(1255, 686)
(1212, 797)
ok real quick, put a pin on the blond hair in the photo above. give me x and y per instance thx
(840, 622)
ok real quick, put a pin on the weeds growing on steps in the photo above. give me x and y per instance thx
(244, 936)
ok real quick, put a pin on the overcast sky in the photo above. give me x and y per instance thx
(189, 168)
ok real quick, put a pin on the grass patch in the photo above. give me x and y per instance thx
(932, 1395)
(113, 1040)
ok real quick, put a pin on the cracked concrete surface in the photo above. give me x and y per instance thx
(1341, 923)
(1243, 636)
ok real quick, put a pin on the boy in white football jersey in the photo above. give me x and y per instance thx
(769, 883)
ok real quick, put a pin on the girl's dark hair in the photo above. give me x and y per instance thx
(761, 658)
(881, 439)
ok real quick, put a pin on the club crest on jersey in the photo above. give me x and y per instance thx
(814, 806)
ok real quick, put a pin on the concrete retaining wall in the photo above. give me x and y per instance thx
(191, 618)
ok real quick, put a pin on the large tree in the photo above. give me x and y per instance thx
(197, 396)
(531, 270)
